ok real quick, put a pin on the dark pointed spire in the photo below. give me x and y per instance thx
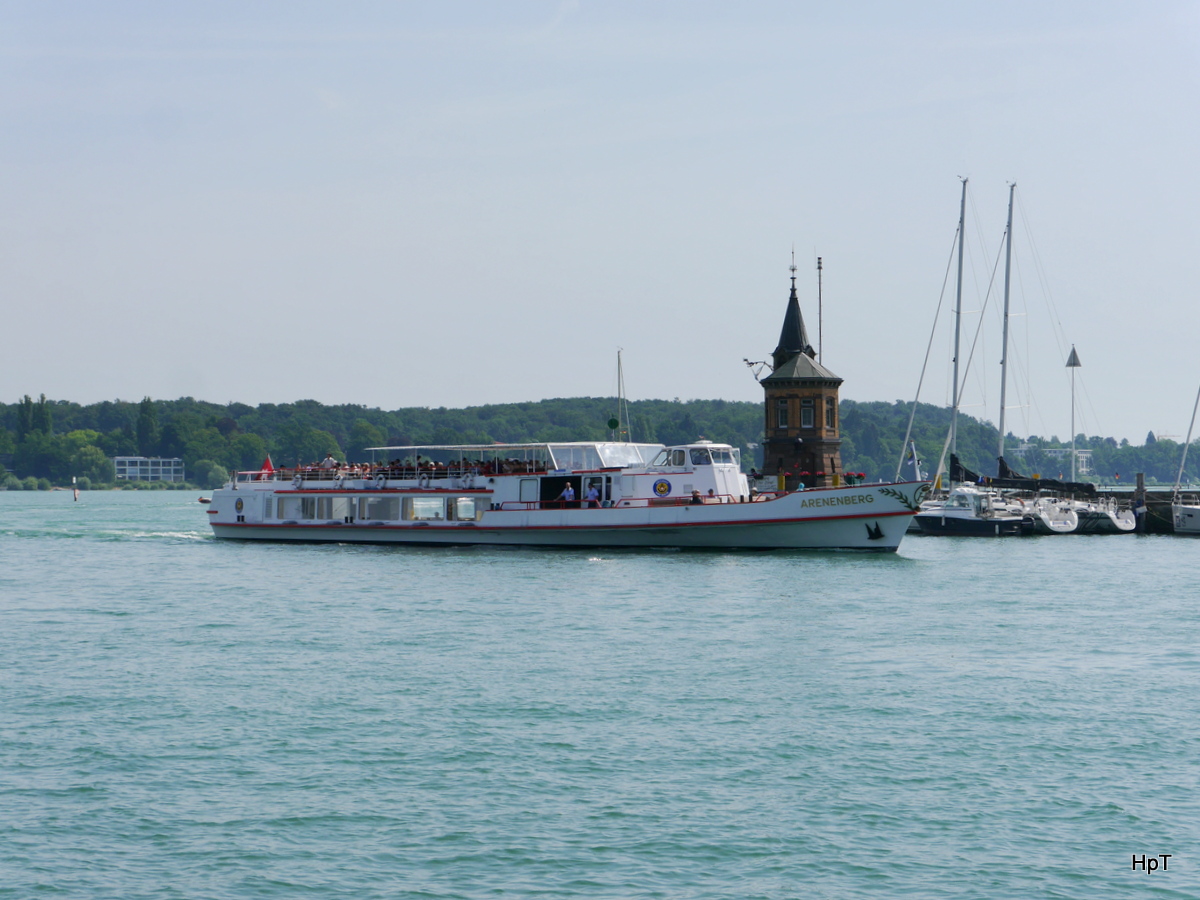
(793, 338)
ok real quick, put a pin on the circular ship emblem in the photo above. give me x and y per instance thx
(662, 487)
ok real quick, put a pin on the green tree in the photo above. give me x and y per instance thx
(41, 417)
(362, 435)
(89, 462)
(247, 452)
(36, 456)
(208, 474)
(24, 417)
(147, 428)
(205, 443)
(301, 444)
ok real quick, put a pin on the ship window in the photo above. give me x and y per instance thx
(466, 509)
(266, 507)
(324, 508)
(806, 413)
(575, 458)
(379, 508)
(418, 509)
(678, 458)
(343, 507)
(700, 456)
(830, 412)
(308, 507)
(529, 490)
(722, 457)
(781, 414)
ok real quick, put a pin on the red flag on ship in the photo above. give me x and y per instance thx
(266, 466)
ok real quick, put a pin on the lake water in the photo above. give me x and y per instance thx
(184, 717)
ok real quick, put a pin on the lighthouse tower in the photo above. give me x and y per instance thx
(801, 425)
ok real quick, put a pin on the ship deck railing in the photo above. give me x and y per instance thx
(395, 473)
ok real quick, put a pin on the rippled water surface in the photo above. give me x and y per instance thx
(184, 717)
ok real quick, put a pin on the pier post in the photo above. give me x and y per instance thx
(1139, 504)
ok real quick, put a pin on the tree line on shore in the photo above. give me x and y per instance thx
(46, 443)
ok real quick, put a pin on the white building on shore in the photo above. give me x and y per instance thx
(142, 468)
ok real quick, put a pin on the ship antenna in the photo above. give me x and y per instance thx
(820, 313)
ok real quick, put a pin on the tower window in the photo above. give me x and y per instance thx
(830, 413)
(806, 413)
(781, 414)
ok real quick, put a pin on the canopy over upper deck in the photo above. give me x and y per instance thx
(572, 455)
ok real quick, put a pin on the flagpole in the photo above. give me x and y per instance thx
(1073, 363)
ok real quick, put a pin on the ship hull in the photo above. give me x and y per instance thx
(860, 518)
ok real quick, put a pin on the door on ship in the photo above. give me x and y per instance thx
(552, 488)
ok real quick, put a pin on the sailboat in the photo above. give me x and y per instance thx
(970, 509)
(1185, 511)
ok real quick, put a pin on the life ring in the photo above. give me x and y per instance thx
(467, 481)
(380, 480)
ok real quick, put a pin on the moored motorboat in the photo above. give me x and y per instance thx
(969, 511)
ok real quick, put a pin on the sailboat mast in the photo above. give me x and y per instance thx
(1004, 340)
(962, 218)
(1187, 443)
(623, 429)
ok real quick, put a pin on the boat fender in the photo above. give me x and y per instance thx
(297, 481)
(468, 481)
(380, 480)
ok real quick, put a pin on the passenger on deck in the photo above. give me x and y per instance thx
(696, 498)
(567, 496)
(329, 462)
(592, 497)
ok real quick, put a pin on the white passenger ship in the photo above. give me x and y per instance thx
(644, 495)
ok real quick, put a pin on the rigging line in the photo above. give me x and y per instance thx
(971, 355)
(928, 349)
(1095, 419)
(983, 311)
(1044, 281)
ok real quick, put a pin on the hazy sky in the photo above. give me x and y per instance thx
(451, 204)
